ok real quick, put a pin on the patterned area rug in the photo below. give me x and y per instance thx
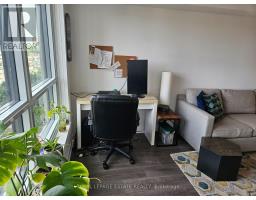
(205, 186)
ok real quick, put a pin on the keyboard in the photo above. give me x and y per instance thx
(112, 92)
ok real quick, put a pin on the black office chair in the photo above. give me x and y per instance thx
(115, 121)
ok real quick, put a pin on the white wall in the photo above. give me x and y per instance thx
(201, 49)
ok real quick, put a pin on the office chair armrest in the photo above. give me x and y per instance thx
(138, 119)
(90, 118)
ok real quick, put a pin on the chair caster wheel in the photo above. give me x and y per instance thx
(132, 161)
(105, 165)
(93, 153)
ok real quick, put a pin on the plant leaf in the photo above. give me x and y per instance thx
(11, 136)
(9, 188)
(60, 190)
(5, 175)
(71, 179)
(8, 161)
(14, 148)
(48, 160)
(50, 114)
(73, 168)
(2, 127)
(53, 179)
(38, 177)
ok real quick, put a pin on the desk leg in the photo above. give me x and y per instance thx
(150, 124)
(79, 124)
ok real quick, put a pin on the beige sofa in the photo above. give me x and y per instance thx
(238, 124)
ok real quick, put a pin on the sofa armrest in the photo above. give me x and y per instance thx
(195, 123)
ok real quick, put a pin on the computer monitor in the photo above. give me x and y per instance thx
(137, 80)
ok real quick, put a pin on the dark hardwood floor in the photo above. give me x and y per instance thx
(154, 173)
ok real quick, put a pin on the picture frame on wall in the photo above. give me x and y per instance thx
(68, 37)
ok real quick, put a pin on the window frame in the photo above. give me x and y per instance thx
(9, 66)
(28, 95)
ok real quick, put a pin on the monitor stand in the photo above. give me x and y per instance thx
(138, 95)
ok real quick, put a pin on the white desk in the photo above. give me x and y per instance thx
(149, 103)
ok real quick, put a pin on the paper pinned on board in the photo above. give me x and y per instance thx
(101, 58)
(115, 66)
(93, 58)
(106, 59)
(118, 73)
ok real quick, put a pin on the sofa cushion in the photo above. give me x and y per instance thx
(248, 119)
(231, 128)
(192, 93)
(213, 105)
(238, 101)
(200, 100)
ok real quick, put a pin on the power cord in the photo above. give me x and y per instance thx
(123, 85)
(81, 95)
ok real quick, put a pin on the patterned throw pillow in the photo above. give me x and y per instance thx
(213, 105)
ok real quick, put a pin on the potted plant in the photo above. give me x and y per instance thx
(15, 150)
(49, 146)
(62, 112)
(20, 178)
(52, 145)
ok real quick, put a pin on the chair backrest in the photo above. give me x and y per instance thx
(114, 117)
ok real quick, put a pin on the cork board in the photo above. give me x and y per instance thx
(123, 61)
(103, 48)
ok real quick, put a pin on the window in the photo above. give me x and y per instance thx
(27, 71)
(40, 109)
(36, 68)
(4, 97)
(9, 94)
(16, 126)
(37, 58)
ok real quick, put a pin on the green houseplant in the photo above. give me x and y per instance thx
(71, 179)
(17, 176)
(62, 112)
(52, 145)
